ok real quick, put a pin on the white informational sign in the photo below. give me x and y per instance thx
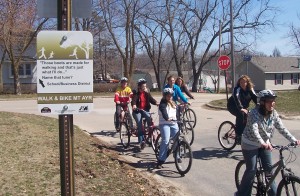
(65, 72)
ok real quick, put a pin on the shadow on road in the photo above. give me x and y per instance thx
(107, 133)
(212, 153)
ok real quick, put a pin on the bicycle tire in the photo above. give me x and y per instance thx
(226, 135)
(189, 115)
(189, 134)
(115, 121)
(154, 135)
(183, 157)
(147, 134)
(238, 174)
(291, 184)
(157, 146)
(124, 135)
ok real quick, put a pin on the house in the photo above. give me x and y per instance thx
(276, 73)
(27, 71)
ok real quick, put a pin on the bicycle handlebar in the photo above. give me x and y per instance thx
(138, 109)
(280, 147)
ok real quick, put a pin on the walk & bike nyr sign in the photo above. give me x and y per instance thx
(65, 72)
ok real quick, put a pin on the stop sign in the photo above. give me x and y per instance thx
(224, 62)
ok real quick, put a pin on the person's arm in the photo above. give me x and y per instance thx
(253, 96)
(152, 100)
(235, 94)
(180, 94)
(163, 110)
(281, 128)
(187, 92)
(116, 99)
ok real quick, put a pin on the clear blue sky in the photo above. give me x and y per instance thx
(277, 38)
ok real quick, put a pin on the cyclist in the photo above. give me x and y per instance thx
(261, 123)
(122, 98)
(141, 104)
(238, 103)
(183, 87)
(168, 128)
(177, 94)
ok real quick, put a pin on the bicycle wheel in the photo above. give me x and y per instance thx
(289, 186)
(147, 133)
(238, 174)
(157, 146)
(183, 157)
(190, 116)
(154, 135)
(124, 135)
(188, 133)
(226, 135)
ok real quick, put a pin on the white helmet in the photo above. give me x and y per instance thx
(141, 81)
(168, 91)
(265, 94)
(124, 79)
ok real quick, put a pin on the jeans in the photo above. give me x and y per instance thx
(250, 157)
(138, 117)
(167, 131)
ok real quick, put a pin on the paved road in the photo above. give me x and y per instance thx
(212, 171)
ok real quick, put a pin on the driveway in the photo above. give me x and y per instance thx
(212, 172)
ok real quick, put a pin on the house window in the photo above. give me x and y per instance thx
(278, 79)
(294, 78)
(25, 70)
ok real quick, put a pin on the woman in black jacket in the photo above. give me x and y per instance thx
(141, 104)
(238, 103)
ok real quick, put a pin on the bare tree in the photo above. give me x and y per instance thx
(200, 20)
(120, 17)
(276, 52)
(294, 35)
(19, 26)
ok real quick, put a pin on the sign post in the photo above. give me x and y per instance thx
(224, 63)
(65, 78)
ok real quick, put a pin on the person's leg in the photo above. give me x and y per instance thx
(250, 157)
(138, 119)
(266, 160)
(165, 138)
(118, 113)
(239, 124)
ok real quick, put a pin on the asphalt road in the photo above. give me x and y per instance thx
(212, 172)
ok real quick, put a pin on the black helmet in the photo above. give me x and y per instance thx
(141, 81)
(265, 94)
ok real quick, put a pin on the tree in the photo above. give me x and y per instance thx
(276, 52)
(19, 27)
(294, 35)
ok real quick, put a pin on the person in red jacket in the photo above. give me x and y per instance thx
(122, 99)
(141, 104)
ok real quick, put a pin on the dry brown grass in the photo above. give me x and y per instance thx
(29, 151)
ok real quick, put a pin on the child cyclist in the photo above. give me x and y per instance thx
(122, 99)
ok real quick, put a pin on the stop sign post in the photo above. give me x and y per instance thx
(224, 62)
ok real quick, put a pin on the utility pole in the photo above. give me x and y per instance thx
(220, 44)
(232, 46)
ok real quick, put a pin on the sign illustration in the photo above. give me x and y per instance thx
(65, 72)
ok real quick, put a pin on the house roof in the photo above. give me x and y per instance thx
(277, 64)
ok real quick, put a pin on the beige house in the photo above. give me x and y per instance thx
(276, 73)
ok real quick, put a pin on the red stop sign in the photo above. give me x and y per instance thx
(224, 62)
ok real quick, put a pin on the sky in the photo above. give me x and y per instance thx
(289, 10)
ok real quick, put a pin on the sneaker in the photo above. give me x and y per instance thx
(143, 145)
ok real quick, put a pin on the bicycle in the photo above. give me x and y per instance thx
(289, 182)
(124, 116)
(227, 134)
(150, 132)
(188, 115)
(181, 149)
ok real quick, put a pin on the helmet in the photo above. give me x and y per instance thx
(168, 91)
(141, 81)
(124, 79)
(265, 94)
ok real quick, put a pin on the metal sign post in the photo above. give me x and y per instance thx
(66, 147)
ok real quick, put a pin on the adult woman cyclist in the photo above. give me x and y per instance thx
(261, 123)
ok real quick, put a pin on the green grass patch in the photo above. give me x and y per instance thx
(30, 162)
(287, 103)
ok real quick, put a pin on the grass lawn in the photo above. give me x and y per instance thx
(287, 103)
(29, 151)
